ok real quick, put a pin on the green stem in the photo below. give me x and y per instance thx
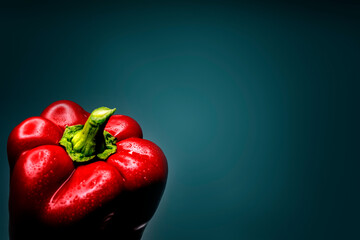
(83, 143)
(90, 139)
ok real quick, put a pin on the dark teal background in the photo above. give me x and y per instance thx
(254, 104)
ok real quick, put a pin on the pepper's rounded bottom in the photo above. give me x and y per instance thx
(39, 232)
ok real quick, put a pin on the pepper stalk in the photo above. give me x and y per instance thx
(85, 142)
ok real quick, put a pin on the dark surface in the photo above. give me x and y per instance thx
(255, 105)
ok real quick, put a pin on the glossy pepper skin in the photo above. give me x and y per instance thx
(54, 197)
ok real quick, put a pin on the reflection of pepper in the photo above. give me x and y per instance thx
(81, 176)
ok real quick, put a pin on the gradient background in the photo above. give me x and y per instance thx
(254, 104)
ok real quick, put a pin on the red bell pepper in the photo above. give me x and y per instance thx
(79, 175)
